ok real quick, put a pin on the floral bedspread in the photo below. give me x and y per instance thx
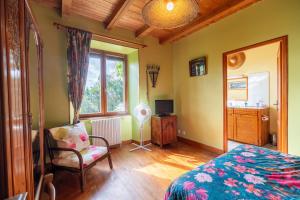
(246, 172)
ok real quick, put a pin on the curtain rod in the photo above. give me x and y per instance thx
(105, 38)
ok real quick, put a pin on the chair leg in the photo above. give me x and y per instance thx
(82, 181)
(109, 161)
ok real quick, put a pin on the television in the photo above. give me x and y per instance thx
(164, 107)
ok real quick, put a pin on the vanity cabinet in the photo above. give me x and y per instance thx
(230, 123)
(248, 125)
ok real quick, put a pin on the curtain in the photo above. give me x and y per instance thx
(78, 60)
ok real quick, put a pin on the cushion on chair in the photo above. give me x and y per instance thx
(89, 155)
(75, 137)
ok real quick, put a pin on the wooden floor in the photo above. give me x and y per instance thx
(136, 175)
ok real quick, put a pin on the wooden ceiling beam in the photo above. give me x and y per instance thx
(66, 7)
(145, 30)
(230, 8)
(118, 12)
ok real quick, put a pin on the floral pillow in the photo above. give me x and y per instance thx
(75, 137)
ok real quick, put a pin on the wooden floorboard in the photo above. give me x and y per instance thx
(136, 175)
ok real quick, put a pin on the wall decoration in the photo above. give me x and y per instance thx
(198, 67)
(236, 60)
(237, 89)
(153, 71)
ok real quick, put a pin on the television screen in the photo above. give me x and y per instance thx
(163, 107)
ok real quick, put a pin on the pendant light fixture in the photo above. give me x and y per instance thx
(169, 14)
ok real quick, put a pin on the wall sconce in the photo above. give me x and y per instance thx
(153, 71)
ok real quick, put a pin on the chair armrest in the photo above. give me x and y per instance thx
(72, 150)
(48, 186)
(102, 138)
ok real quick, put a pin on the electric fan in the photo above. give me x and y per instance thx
(142, 113)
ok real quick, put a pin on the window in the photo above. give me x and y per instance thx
(105, 90)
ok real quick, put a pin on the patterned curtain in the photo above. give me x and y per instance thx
(78, 59)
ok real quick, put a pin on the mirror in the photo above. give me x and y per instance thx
(34, 107)
(237, 89)
(34, 62)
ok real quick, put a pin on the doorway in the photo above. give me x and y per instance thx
(255, 99)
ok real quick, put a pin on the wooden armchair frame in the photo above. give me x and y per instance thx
(81, 171)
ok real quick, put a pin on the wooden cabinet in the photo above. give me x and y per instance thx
(248, 125)
(163, 130)
(246, 128)
(15, 153)
(230, 123)
(16, 158)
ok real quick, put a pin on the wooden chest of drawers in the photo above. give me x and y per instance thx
(248, 125)
(163, 130)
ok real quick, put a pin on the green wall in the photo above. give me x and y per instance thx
(199, 101)
(57, 107)
(161, 55)
(133, 88)
(33, 82)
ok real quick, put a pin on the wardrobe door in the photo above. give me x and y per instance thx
(16, 150)
(3, 108)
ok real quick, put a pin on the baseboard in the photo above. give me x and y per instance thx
(127, 142)
(138, 142)
(115, 146)
(201, 146)
(119, 145)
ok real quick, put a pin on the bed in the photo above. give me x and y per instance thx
(246, 172)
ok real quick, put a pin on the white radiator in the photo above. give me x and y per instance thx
(109, 128)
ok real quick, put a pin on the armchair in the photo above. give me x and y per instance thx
(78, 161)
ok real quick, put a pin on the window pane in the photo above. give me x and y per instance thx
(91, 99)
(115, 84)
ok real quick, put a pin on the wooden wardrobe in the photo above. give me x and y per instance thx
(16, 168)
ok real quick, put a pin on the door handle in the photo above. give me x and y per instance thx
(277, 105)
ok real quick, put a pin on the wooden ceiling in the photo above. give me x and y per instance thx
(127, 14)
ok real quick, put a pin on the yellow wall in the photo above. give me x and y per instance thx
(57, 107)
(199, 100)
(263, 59)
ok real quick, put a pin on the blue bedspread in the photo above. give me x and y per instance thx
(247, 172)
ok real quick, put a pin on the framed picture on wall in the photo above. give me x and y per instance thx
(198, 67)
(237, 89)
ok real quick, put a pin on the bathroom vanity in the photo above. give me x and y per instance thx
(248, 125)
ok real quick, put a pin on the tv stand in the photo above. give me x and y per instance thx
(164, 115)
(163, 129)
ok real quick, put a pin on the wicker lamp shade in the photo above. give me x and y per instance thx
(169, 14)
